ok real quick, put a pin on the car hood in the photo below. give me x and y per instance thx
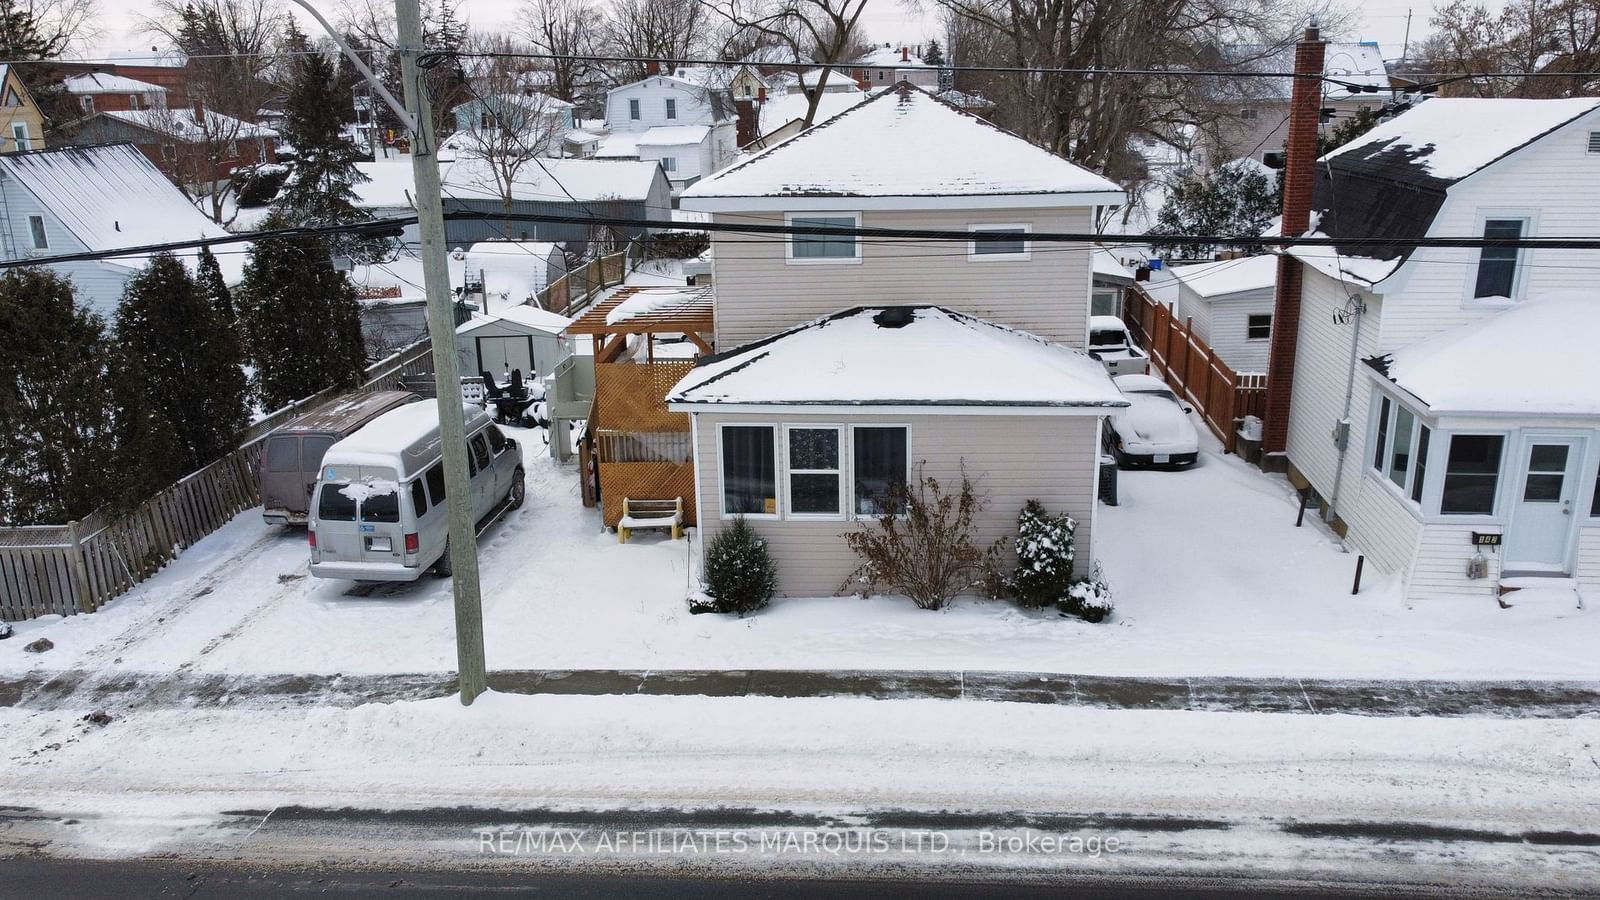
(1152, 420)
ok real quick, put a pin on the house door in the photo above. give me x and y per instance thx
(1542, 517)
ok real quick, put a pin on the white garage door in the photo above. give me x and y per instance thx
(499, 355)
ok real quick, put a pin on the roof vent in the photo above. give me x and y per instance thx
(1594, 142)
(894, 317)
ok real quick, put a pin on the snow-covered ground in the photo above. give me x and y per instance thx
(1210, 576)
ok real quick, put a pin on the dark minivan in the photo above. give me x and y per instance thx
(292, 455)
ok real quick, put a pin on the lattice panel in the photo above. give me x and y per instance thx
(645, 481)
(632, 396)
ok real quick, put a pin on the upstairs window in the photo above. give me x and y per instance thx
(19, 133)
(1015, 247)
(824, 247)
(672, 108)
(36, 229)
(1258, 327)
(1497, 266)
(669, 163)
(633, 109)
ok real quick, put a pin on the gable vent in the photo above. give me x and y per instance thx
(1594, 142)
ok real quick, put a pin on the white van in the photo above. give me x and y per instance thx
(378, 512)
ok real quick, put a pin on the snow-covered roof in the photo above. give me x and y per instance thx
(106, 83)
(521, 314)
(512, 270)
(1451, 138)
(533, 101)
(182, 124)
(1230, 276)
(470, 177)
(143, 56)
(111, 196)
(889, 58)
(902, 143)
(579, 136)
(650, 300)
(1536, 358)
(716, 77)
(1108, 266)
(894, 356)
(619, 145)
(673, 135)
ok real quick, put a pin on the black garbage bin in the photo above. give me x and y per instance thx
(1108, 480)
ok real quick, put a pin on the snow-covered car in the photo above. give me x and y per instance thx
(1110, 343)
(1154, 429)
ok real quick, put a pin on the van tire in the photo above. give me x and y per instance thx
(518, 492)
(441, 566)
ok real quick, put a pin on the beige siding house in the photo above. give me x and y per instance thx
(21, 123)
(846, 362)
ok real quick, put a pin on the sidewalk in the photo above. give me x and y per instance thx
(1499, 699)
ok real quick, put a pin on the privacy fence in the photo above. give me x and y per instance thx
(1222, 396)
(79, 566)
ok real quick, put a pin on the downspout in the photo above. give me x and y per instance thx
(1331, 512)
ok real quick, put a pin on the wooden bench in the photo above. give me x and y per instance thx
(638, 514)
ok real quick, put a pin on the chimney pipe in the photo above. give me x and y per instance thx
(652, 68)
(1299, 181)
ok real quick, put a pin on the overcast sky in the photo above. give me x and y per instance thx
(885, 20)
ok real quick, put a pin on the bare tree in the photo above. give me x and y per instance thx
(566, 30)
(45, 29)
(653, 30)
(1552, 36)
(825, 30)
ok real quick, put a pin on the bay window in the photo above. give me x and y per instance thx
(1399, 447)
(882, 460)
(814, 472)
(749, 470)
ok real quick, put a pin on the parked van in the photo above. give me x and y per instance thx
(378, 511)
(292, 455)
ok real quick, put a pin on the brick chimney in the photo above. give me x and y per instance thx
(199, 110)
(905, 54)
(745, 128)
(1299, 180)
(652, 68)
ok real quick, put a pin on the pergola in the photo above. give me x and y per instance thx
(685, 311)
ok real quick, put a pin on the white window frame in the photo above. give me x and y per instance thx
(777, 471)
(1384, 472)
(1248, 317)
(40, 239)
(910, 465)
(788, 242)
(1519, 280)
(21, 136)
(669, 164)
(1433, 499)
(634, 112)
(841, 470)
(671, 108)
(1027, 245)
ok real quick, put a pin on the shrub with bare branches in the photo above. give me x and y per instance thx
(923, 545)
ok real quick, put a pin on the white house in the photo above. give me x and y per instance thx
(81, 199)
(1446, 401)
(690, 129)
(1229, 305)
(1255, 111)
(888, 65)
(844, 365)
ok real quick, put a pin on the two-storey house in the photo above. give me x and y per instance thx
(847, 363)
(97, 92)
(688, 128)
(1446, 401)
(513, 124)
(21, 122)
(81, 199)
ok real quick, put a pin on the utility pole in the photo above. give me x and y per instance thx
(417, 114)
(446, 365)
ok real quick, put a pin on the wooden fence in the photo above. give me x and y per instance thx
(79, 566)
(1221, 395)
(572, 291)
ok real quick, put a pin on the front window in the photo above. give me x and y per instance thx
(1258, 327)
(36, 230)
(881, 461)
(824, 247)
(1497, 266)
(1399, 445)
(1010, 242)
(749, 470)
(814, 471)
(1471, 474)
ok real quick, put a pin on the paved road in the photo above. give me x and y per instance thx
(84, 880)
(1510, 699)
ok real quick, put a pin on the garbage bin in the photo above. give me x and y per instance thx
(1108, 480)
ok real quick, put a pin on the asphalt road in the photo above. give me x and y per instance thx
(72, 879)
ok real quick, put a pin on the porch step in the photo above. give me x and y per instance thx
(1535, 590)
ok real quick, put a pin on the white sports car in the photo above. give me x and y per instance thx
(1154, 429)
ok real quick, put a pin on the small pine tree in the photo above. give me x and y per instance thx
(183, 358)
(1239, 197)
(302, 322)
(1044, 556)
(933, 56)
(56, 409)
(740, 575)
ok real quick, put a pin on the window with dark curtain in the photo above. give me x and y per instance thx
(749, 470)
(1497, 266)
(1471, 474)
(880, 461)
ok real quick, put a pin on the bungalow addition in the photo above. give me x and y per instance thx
(1446, 401)
(845, 364)
(1229, 306)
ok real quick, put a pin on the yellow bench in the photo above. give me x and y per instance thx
(638, 514)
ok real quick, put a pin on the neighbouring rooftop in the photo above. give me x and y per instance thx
(886, 356)
(902, 143)
(1229, 276)
(106, 83)
(1536, 358)
(185, 126)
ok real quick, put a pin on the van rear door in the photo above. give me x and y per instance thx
(360, 516)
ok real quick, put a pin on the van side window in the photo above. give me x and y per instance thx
(497, 441)
(419, 498)
(436, 483)
(480, 451)
(334, 506)
(283, 454)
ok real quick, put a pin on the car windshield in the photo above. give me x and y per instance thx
(1158, 392)
(1112, 338)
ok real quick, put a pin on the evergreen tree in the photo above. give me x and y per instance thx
(1239, 197)
(321, 191)
(302, 322)
(182, 356)
(150, 456)
(56, 407)
(934, 57)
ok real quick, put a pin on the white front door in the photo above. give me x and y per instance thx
(1542, 515)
